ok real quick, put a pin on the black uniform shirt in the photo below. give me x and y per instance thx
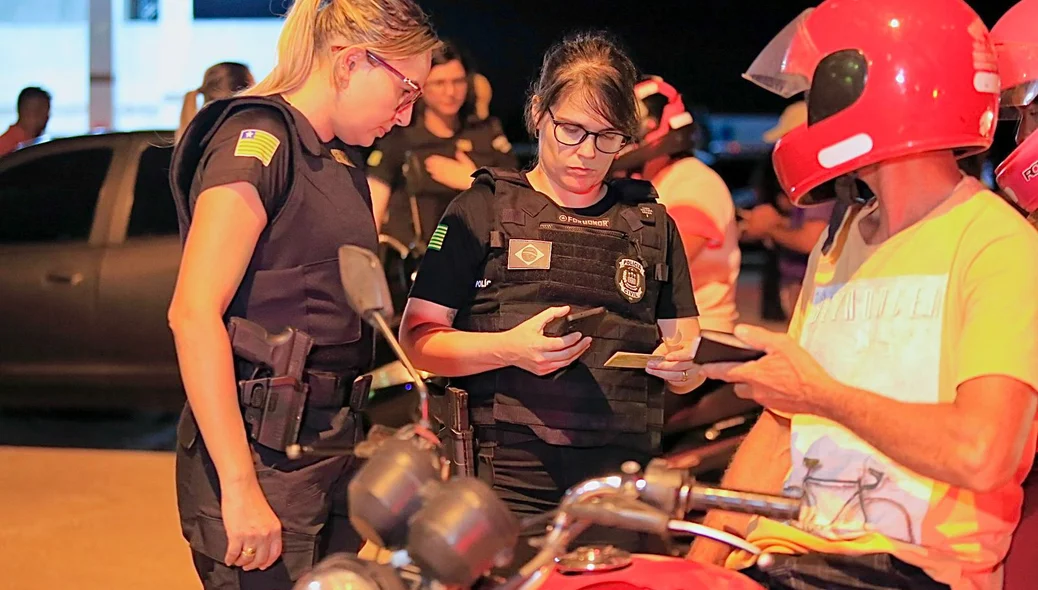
(483, 141)
(448, 276)
(261, 158)
(253, 146)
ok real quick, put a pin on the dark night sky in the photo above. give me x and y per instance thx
(700, 47)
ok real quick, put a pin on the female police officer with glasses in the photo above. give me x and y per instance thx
(520, 249)
(267, 190)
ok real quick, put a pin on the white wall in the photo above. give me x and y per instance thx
(50, 55)
(153, 62)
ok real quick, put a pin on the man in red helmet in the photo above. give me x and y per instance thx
(1016, 42)
(1015, 36)
(901, 404)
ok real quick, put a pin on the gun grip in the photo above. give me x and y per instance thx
(249, 340)
(360, 393)
(458, 409)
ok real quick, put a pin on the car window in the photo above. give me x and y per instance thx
(52, 198)
(153, 213)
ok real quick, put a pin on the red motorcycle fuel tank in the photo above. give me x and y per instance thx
(608, 568)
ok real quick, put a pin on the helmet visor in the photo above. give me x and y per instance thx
(786, 65)
(1016, 97)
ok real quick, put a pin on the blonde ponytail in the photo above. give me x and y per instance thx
(187, 112)
(397, 29)
(297, 48)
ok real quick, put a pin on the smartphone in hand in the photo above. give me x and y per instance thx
(585, 322)
(722, 347)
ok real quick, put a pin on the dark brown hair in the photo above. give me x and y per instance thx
(30, 94)
(594, 65)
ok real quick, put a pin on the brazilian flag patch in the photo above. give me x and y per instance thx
(436, 241)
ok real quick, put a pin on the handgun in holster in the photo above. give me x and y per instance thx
(274, 396)
(451, 410)
(359, 396)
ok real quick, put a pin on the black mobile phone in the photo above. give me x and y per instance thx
(722, 347)
(585, 322)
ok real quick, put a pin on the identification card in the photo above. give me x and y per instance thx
(631, 360)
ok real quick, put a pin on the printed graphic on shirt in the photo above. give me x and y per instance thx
(256, 143)
(882, 335)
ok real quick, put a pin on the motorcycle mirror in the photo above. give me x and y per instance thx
(366, 288)
(364, 280)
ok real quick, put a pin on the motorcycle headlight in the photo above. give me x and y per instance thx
(461, 532)
(344, 571)
(387, 491)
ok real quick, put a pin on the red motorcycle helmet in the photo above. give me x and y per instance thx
(661, 135)
(884, 79)
(1015, 38)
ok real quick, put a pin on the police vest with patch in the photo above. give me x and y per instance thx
(293, 277)
(543, 256)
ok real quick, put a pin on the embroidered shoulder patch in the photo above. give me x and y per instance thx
(436, 241)
(256, 143)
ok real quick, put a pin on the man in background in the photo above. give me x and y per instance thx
(33, 114)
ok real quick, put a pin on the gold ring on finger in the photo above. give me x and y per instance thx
(248, 551)
(684, 375)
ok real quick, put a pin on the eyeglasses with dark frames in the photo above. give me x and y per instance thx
(571, 134)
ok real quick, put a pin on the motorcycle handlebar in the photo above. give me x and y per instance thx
(675, 491)
(635, 516)
(769, 505)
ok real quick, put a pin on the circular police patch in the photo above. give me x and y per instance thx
(630, 279)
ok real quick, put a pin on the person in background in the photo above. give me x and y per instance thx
(415, 171)
(694, 195)
(1016, 42)
(484, 92)
(33, 115)
(698, 200)
(791, 231)
(222, 80)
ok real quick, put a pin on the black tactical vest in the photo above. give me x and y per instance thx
(293, 277)
(543, 256)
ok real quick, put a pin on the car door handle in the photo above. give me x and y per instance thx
(72, 279)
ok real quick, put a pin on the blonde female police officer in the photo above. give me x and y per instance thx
(267, 191)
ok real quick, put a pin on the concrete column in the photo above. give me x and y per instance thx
(101, 79)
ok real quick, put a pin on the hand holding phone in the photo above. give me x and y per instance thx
(722, 347)
(585, 322)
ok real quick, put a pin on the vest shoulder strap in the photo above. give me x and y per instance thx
(189, 150)
(491, 176)
(632, 191)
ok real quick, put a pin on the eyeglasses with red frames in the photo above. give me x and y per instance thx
(413, 90)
